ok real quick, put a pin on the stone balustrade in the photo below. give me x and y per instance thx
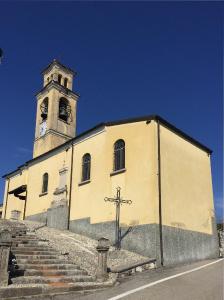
(5, 247)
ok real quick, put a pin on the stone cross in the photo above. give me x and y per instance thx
(118, 201)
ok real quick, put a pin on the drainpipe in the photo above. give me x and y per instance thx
(70, 190)
(24, 210)
(6, 200)
(160, 197)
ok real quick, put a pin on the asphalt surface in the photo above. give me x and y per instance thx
(202, 284)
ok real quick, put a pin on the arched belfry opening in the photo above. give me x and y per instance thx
(66, 82)
(64, 109)
(59, 78)
(44, 109)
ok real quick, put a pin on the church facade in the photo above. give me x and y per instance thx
(163, 171)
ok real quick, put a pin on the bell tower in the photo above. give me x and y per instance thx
(56, 109)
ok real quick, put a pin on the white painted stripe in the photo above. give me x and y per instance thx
(162, 280)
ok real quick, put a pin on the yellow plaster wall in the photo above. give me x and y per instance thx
(187, 197)
(14, 203)
(138, 183)
(47, 142)
(36, 203)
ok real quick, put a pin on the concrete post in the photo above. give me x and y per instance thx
(5, 247)
(102, 249)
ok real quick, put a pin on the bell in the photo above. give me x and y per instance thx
(44, 110)
(63, 114)
(44, 115)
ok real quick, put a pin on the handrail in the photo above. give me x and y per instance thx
(133, 266)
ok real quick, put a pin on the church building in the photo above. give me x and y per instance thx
(163, 171)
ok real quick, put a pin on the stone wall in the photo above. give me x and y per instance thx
(179, 246)
(57, 217)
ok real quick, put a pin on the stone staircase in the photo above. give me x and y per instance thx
(40, 270)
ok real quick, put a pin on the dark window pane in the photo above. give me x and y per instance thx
(119, 155)
(66, 82)
(59, 78)
(45, 183)
(86, 165)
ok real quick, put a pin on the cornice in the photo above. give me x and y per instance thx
(60, 66)
(58, 87)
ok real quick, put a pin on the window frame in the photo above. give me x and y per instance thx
(119, 155)
(45, 183)
(86, 168)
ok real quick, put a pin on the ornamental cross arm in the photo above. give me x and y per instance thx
(117, 200)
(110, 199)
(126, 201)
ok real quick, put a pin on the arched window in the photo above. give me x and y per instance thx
(44, 108)
(119, 155)
(66, 82)
(45, 183)
(59, 78)
(86, 165)
(64, 109)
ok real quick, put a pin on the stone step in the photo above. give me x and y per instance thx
(24, 237)
(16, 233)
(41, 261)
(24, 241)
(44, 244)
(51, 279)
(24, 256)
(20, 291)
(49, 291)
(32, 252)
(34, 248)
(30, 244)
(48, 266)
(54, 272)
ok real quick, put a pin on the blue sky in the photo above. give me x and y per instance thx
(132, 59)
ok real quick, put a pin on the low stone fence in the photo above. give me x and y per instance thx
(221, 242)
(5, 247)
(8, 229)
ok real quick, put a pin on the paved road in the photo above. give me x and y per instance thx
(189, 282)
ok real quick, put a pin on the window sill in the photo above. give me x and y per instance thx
(84, 182)
(43, 194)
(117, 172)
